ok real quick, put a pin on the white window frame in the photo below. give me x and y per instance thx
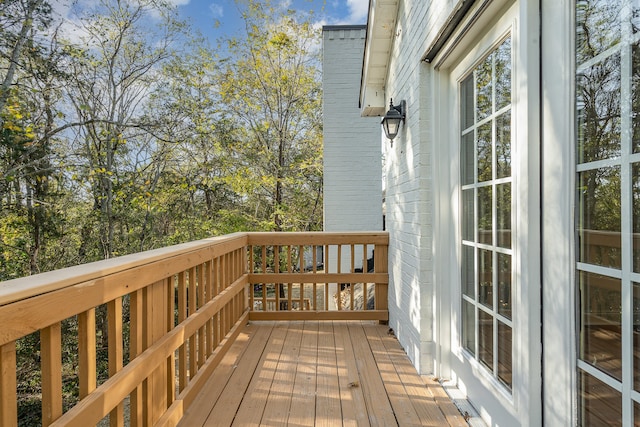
(558, 202)
(498, 405)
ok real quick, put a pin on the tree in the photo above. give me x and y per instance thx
(17, 20)
(273, 88)
(110, 86)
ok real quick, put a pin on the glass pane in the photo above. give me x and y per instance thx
(485, 335)
(635, 99)
(636, 216)
(636, 414)
(599, 217)
(485, 277)
(468, 202)
(597, 27)
(601, 323)
(503, 74)
(504, 285)
(505, 368)
(503, 145)
(600, 405)
(503, 214)
(598, 111)
(468, 326)
(466, 159)
(484, 153)
(483, 89)
(466, 102)
(485, 216)
(468, 271)
(636, 337)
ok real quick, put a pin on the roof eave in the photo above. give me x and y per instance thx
(381, 23)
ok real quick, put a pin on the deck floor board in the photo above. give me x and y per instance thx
(340, 373)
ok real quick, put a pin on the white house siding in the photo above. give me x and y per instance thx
(409, 189)
(352, 145)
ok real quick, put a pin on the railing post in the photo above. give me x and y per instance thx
(381, 265)
(8, 399)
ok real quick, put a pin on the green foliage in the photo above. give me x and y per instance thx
(142, 136)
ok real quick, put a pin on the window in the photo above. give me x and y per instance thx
(486, 213)
(608, 211)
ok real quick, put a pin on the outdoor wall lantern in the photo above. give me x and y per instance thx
(391, 120)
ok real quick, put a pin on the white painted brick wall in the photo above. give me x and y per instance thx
(409, 192)
(351, 160)
(352, 144)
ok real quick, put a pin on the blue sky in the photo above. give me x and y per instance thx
(204, 14)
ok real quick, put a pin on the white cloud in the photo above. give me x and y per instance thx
(358, 10)
(348, 12)
(216, 10)
(179, 2)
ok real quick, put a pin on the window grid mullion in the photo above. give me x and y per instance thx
(626, 183)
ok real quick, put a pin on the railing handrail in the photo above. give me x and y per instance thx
(37, 284)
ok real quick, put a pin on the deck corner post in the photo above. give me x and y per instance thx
(381, 265)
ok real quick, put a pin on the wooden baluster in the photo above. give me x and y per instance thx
(364, 259)
(193, 343)
(201, 293)
(276, 269)
(302, 307)
(364, 270)
(136, 405)
(209, 297)
(51, 362)
(301, 259)
(157, 324)
(326, 270)
(182, 315)
(264, 285)
(252, 295)
(243, 271)
(216, 291)
(353, 259)
(353, 270)
(87, 352)
(170, 286)
(226, 271)
(147, 340)
(339, 285)
(8, 398)
(314, 260)
(114, 319)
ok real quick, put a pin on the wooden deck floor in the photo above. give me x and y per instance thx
(323, 374)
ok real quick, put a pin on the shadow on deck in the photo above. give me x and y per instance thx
(319, 373)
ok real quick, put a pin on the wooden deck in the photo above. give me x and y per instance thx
(319, 373)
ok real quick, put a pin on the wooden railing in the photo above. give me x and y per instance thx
(288, 275)
(170, 315)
